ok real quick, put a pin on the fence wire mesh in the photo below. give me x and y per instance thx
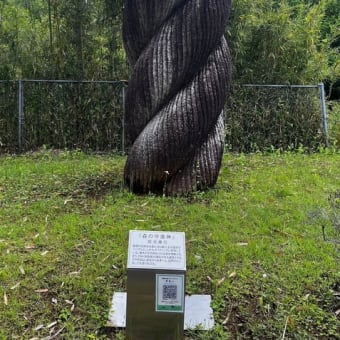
(334, 121)
(62, 114)
(89, 115)
(8, 115)
(258, 118)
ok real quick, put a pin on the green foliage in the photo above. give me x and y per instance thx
(275, 42)
(21, 41)
(61, 39)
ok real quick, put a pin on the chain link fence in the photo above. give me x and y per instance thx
(8, 115)
(259, 117)
(61, 114)
(89, 115)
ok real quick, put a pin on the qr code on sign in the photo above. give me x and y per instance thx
(169, 292)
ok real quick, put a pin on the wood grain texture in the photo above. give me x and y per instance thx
(174, 102)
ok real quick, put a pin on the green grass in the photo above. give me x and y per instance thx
(255, 242)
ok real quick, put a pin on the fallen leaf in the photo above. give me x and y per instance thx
(43, 290)
(220, 281)
(52, 324)
(15, 286)
(306, 297)
(76, 273)
(192, 240)
(5, 299)
(30, 246)
(225, 321)
(67, 200)
(105, 258)
(55, 335)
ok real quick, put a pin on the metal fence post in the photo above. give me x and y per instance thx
(324, 111)
(21, 118)
(123, 118)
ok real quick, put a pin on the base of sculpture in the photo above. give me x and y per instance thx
(198, 313)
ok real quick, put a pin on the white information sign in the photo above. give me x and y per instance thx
(170, 293)
(156, 250)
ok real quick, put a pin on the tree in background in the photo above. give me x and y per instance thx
(290, 41)
(281, 41)
(22, 39)
(67, 39)
(84, 40)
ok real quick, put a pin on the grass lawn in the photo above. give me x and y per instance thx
(264, 243)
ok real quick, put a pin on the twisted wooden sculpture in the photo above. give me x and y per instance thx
(176, 94)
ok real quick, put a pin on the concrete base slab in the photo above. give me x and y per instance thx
(198, 313)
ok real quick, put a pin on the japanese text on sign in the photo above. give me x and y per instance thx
(151, 249)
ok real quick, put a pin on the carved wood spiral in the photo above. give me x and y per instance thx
(174, 102)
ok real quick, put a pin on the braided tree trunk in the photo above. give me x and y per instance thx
(174, 102)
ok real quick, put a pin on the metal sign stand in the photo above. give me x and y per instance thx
(155, 285)
(155, 305)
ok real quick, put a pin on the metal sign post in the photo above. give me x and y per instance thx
(324, 112)
(155, 285)
(20, 114)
